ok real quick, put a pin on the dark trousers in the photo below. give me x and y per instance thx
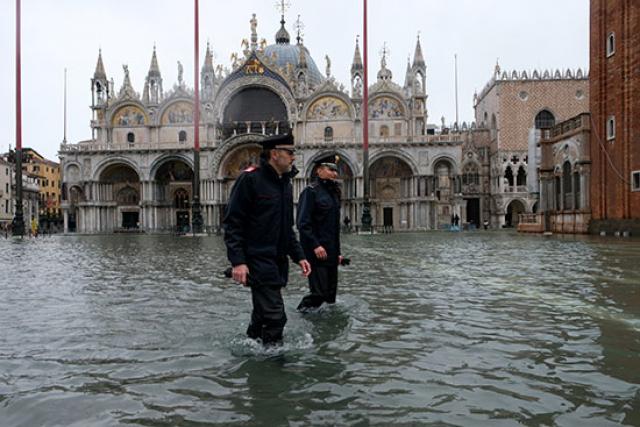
(268, 317)
(323, 286)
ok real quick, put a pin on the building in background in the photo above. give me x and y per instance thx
(515, 106)
(47, 175)
(136, 171)
(6, 198)
(615, 113)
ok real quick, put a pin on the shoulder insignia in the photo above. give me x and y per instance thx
(251, 168)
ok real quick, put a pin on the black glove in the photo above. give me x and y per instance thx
(345, 261)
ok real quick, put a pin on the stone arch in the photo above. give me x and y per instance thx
(396, 153)
(72, 172)
(544, 119)
(157, 163)
(310, 163)
(230, 145)
(76, 195)
(446, 158)
(115, 161)
(127, 196)
(231, 89)
(389, 167)
(471, 173)
(238, 159)
(512, 209)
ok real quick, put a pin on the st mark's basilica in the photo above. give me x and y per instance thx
(136, 172)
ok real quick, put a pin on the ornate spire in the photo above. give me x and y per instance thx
(299, 26)
(282, 36)
(356, 65)
(302, 59)
(99, 73)
(154, 69)
(127, 90)
(208, 60)
(408, 79)
(418, 59)
(384, 73)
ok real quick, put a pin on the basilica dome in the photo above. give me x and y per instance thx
(287, 53)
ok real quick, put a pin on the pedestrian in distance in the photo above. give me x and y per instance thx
(259, 236)
(318, 222)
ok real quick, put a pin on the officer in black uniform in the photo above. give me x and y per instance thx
(318, 222)
(258, 226)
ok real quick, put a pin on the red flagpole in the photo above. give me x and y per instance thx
(18, 219)
(196, 213)
(366, 207)
(18, 82)
(196, 107)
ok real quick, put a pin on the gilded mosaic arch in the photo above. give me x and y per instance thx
(385, 107)
(178, 113)
(230, 145)
(240, 159)
(129, 115)
(328, 108)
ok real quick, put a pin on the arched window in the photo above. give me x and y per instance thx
(508, 175)
(545, 120)
(181, 199)
(328, 134)
(182, 136)
(127, 196)
(470, 174)
(521, 178)
(611, 44)
(384, 131)
(131, 138)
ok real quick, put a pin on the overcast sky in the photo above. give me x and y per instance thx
(68, 33)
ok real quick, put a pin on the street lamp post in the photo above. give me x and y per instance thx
(366, 206)
(17, 227)
(196, 213)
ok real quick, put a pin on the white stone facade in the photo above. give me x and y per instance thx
(136, 172)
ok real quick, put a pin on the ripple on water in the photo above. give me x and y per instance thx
(450, 329)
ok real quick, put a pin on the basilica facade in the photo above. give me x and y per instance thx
(136, 172)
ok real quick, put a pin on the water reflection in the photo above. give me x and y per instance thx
(450, 329)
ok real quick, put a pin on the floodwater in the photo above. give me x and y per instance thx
(448, 329)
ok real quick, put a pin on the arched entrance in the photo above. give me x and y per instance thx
(173, 188)
(443, 172)
(390, 183)
(514, 209)
(122, 183)
(76, 196)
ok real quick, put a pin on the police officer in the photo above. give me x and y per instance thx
(258, 225)
(318, 222)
